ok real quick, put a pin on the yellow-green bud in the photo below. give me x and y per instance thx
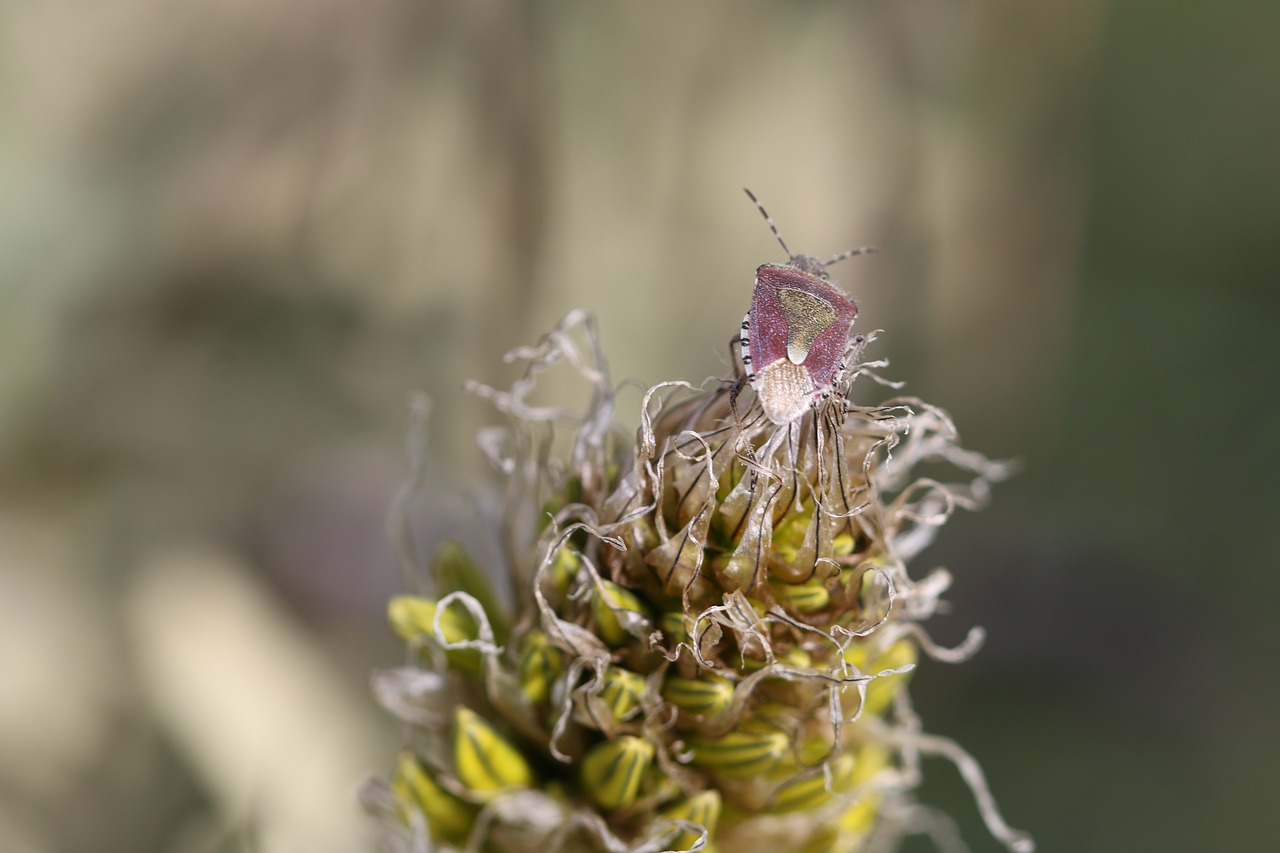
(609, 598)
(794, 656)
(413, 617)
(701, 808)
(612, 771)
(562, 570)
(750, 750)
(861, 816)
(540, 665)
(880, 691)
(457, 572)
(448, 817)
(622, 691)
(484, 760)
(674, 626)
(808, 597)
(706, 695)
(811, 792)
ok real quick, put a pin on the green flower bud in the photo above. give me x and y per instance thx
(703, 808)
(706, 695)
(811, 596)
(612, 771)
(608, 599)
(880, 691)
(754, 748)
(810, 792)
(622, 691)
(793, 656)
(448, 817)
(561, 572)
(484, 760)
(413, 617)
(858, 819)
(675, 626)
(540, 665)
(457, 572)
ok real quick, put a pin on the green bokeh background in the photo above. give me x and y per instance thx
(234, 237)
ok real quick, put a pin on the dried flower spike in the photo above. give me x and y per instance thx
(714, 622)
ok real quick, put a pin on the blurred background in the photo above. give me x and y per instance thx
(235, 236)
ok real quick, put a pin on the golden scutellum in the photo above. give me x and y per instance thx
(712, 627)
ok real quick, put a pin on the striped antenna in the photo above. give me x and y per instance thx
(861, 250)
(772, 227)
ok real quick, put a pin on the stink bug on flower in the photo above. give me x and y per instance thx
(796, 334)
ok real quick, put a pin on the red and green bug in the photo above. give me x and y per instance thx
(796, 334)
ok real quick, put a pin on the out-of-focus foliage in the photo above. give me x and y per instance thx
(233, 236)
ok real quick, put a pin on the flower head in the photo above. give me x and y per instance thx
(713, 632)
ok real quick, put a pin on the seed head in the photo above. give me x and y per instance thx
(714, 623)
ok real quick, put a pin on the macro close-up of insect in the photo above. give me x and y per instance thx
(795, 338)
(410, 442)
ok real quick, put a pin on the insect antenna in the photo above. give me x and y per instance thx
(861, 250)
(772, 227)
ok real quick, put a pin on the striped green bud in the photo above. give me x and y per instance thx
(606, 602)
(562, 571)
(413, 617)
(706, 695)
(448, 817)
(457, 572)
(673, 624)
(810, 792)
(794, 656)
(622, 691)
(808, 597)
(540, 665)
(484, 760)
(702, 809)
(880, 691)
(754, 748)
(612, 771)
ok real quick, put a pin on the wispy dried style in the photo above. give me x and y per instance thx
(713, 630)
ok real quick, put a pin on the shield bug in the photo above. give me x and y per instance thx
(795, 336)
